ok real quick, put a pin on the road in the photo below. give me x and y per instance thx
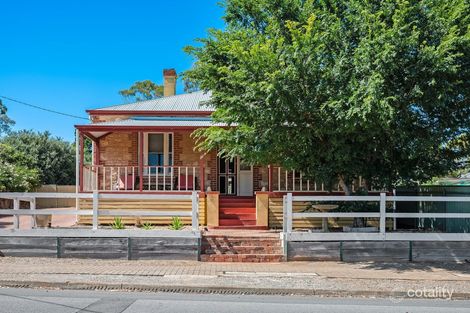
(64, 301)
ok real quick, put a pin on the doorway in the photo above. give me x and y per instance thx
(245, 179)
(227, 176)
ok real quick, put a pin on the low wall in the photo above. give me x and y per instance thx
(131, 248)
(382, 251)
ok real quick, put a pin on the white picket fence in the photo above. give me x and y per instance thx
(16, 212)
(382, 234)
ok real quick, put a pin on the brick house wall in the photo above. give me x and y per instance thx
(120, 148)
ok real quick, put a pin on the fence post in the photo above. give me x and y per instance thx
(383, 199)
(32, 207)
(95, 209)
(289, 212)
(16, 217)
(284, 214)
(195, 210)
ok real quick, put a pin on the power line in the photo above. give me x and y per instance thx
(44, 109)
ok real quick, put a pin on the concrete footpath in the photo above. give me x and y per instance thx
(302, 278)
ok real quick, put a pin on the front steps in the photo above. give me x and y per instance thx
(237, 213)
(241, 246)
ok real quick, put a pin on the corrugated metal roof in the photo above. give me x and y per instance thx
(171, 121)
(195, 101)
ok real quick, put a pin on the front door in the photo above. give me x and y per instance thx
(245, 179)
(227, 177)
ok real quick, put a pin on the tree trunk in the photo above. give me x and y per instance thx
(358, 221)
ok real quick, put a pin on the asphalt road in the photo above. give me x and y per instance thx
(64, 301)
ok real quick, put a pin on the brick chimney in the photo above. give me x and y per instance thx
(169, 82)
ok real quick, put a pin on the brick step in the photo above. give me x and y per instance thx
(242, 258)
(241, 217)
(241, 250)
(236, 222)
(242, 242)
(237, 211)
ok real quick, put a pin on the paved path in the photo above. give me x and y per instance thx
(365, 270)
(39, 301)
(319, 278)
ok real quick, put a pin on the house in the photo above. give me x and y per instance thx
(146, 147)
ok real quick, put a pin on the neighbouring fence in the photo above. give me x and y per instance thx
(95, 213)
(384, 241)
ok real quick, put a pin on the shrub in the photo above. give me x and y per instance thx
(147, 226)
(118, 224)
(176, 223)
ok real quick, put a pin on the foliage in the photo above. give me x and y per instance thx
(5, 121)
(340, 89)
(176, 223)
(15, 173)
(147, 226)
(53, 158)
(142, 90)
(117, 223)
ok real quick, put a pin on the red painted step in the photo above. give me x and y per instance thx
(239, 216)
(237, 211)
(236, 222)
(239, 227)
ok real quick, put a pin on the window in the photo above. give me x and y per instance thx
(159, 151)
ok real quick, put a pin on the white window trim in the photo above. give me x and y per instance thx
(165, 147)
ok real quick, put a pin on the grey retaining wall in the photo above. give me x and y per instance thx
(385, 251)
(158, 248)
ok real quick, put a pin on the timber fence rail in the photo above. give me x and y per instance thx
(95, 212)
(382, 215)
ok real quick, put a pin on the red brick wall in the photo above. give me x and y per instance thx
(120, 148)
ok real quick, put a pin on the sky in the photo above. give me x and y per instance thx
(75, 55)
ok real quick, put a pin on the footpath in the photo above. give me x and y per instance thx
(395, 280)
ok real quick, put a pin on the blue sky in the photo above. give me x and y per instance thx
(76, 55)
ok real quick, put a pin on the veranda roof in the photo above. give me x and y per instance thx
(144, 123)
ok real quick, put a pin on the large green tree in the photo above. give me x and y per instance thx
(16, 173)
(340, 89)
(53, 158)
(5, 121)
(142, 90)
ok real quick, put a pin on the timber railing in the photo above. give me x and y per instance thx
(382, 215)
(95, 212)
(284, 180)
(152, 178)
